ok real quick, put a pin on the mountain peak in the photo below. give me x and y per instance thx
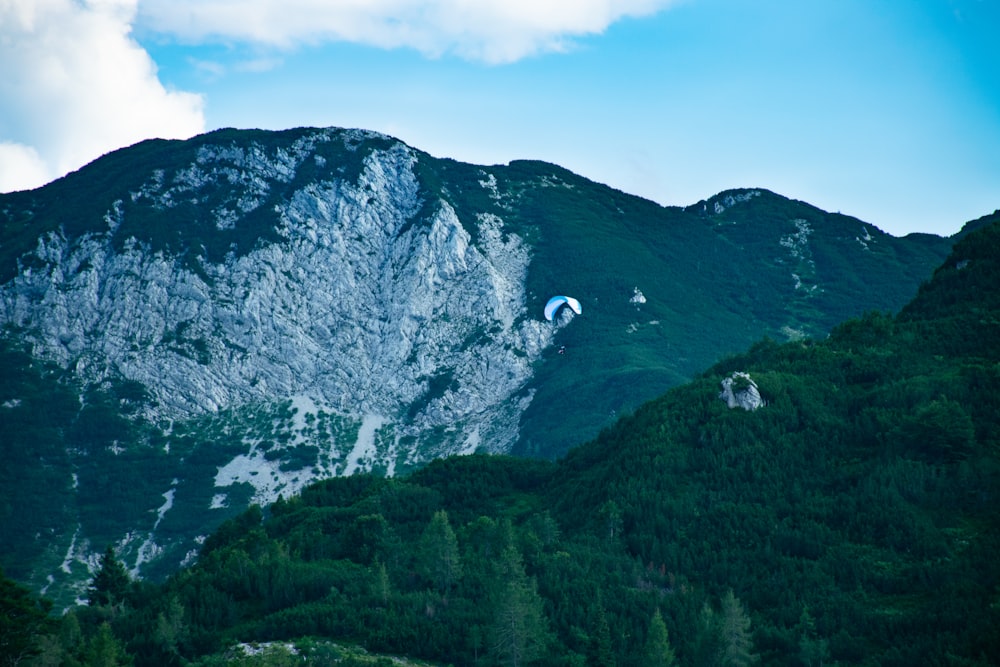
(718, 204)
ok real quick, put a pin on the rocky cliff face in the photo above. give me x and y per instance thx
(372, 311)
(365, 304)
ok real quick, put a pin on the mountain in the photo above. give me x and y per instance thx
(849, 514)
(192, 326)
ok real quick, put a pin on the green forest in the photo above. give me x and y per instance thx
(852, 520)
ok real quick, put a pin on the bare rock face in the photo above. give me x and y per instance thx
(293, 311)
(369, 303)
(740, 391)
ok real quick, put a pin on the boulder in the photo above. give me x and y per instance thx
(740, 391)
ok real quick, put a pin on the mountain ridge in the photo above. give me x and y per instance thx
(246, 311)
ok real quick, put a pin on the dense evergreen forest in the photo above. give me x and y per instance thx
(853, 520)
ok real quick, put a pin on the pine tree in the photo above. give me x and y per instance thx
(439, 559)
(381, 586)
(708, 645)
(602, 655)
(737, 644)
(170, 628)
(813, 651)
(111, 583)
(658, 652)
(519, 633)
(104, 650)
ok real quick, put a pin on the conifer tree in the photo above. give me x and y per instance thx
(708, 645)
(737, 644)
(70, 633)
(104, 650)
(439, 559)
(111, 583)
(23, 619)
(519, 633)
(170, 628)
(813, 651)
(602, 655)
(381, 586)
(658, 651)
(724, 638)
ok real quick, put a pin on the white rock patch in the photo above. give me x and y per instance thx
(740, 391)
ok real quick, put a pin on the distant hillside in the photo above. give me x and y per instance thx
(852, 518)
(193, 326)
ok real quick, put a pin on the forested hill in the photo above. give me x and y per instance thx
(190, 327)
(853, 519)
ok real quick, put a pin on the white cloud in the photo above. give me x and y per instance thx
(75, 85)
(21, 168)
(493, 31)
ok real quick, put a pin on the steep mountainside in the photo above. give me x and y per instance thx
(192, 326)
(845, 511)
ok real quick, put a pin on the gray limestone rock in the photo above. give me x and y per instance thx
(368, 296)
(740, 391)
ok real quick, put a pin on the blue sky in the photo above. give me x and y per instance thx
(888, 110)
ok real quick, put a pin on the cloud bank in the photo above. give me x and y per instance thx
(491, 31)
(74, 85)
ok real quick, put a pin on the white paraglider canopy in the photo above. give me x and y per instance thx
(556, 302)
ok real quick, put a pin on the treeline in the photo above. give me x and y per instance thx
(853, 520)
(383, 564)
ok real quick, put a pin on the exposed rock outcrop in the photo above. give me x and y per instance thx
(740, 391)
(367, 296)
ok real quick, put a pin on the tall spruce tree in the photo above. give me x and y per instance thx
(381, 585)
(658, 652)
(438, 559)
(601, 652)
(708, 640)
(519, 634)
(737, 643)
(110, 585)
